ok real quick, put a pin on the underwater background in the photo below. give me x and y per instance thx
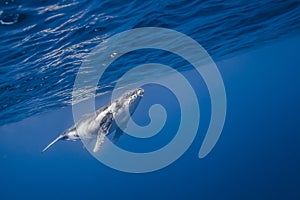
(255, 46)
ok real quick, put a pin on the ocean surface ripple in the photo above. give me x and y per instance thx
(43, 43)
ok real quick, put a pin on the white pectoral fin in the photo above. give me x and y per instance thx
(105, 124)
(99, 141)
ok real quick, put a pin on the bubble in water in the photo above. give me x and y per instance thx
(9, 19)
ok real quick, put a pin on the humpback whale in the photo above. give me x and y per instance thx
(103, 121)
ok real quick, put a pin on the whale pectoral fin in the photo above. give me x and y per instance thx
(99, 141)
(105, 124)
(117, 135)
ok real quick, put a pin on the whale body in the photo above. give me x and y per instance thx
(101, 123)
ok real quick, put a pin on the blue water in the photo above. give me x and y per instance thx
(255, 46)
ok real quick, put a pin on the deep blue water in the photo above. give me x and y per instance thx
(255, 46)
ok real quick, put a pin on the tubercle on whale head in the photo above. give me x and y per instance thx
(133, 95)
(139, 91)
(130, 97)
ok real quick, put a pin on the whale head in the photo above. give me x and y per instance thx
(136, 95)
(132, 98)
